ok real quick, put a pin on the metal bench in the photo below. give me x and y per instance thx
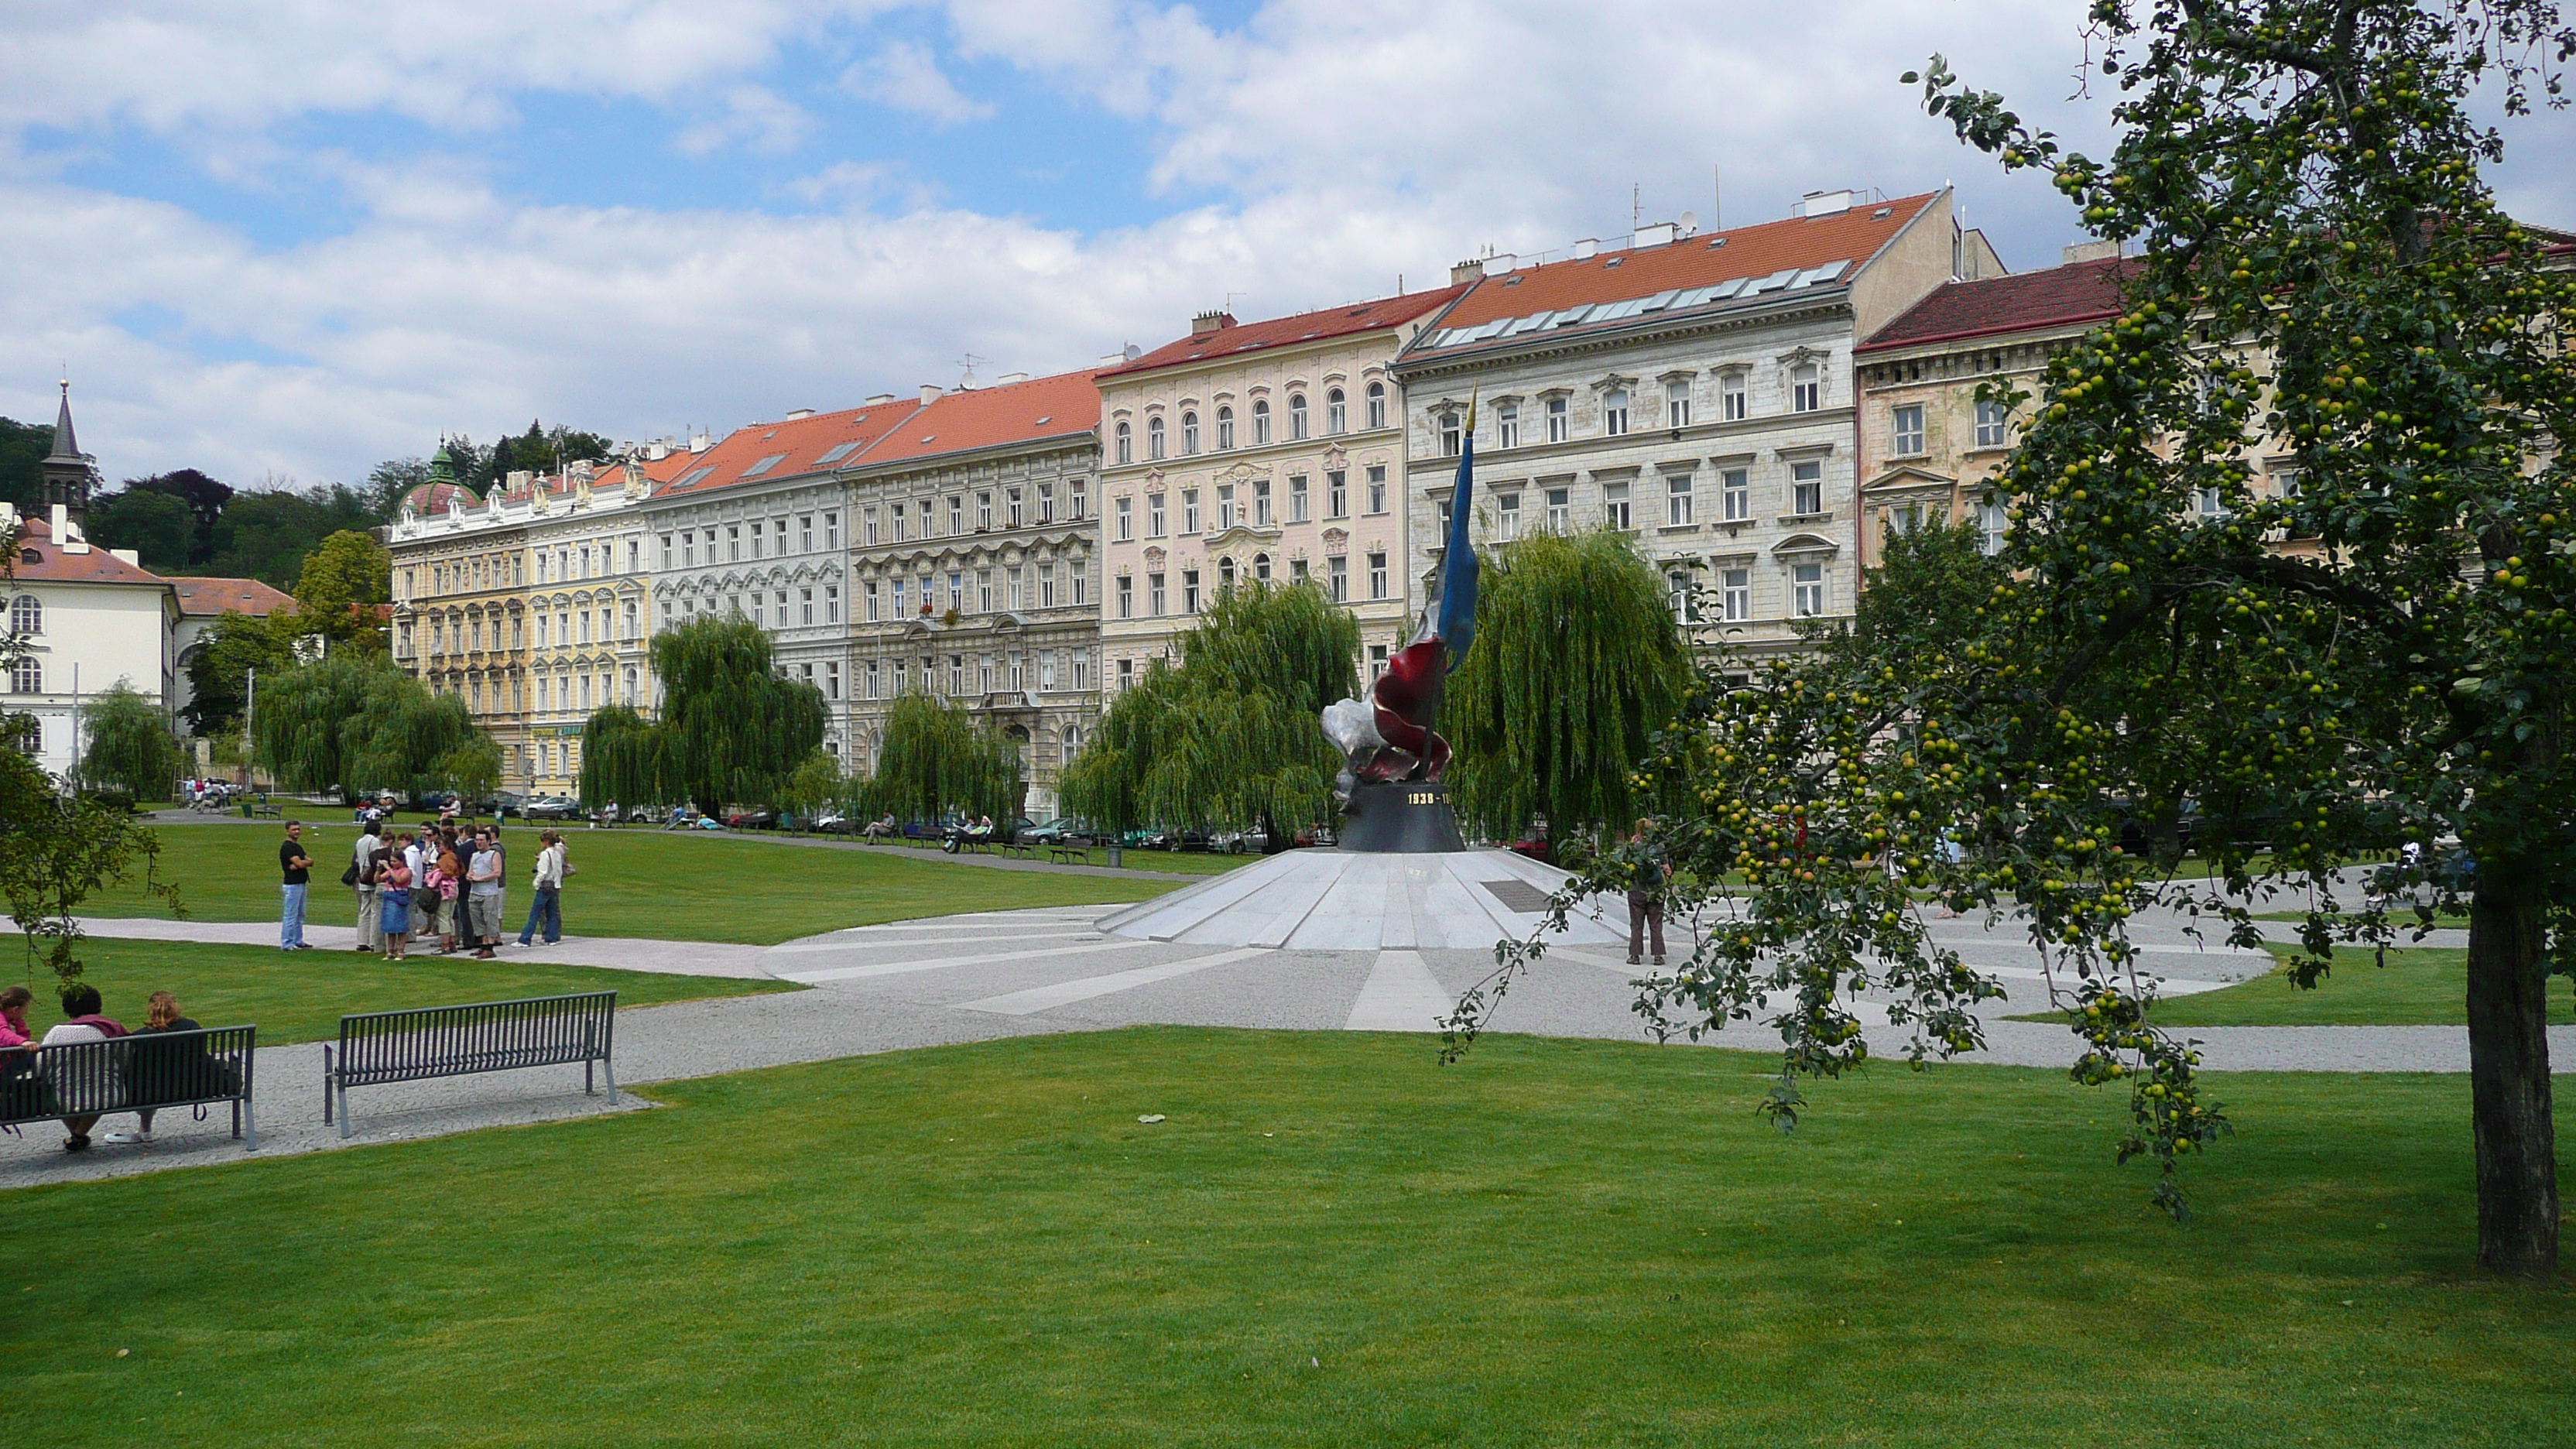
(1069, 854)
(452, 1041)
(159, 1070)
(1013, 847)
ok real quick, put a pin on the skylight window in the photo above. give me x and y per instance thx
(764, 465)
(1043, 421)
(839, 451)
(694, 476)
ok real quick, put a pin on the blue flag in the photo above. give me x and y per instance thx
(1457, 617)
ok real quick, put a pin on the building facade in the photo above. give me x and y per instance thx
(757, 526)
(1273, 450)
(590, 606)
(975, 561)
(460, 605)
(83, 619)
(1693, 391)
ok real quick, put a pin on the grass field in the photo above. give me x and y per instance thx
(301, 997)
(635, 883)
(2420, 986)
(1332, 1241)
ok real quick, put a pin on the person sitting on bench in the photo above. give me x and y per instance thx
(81, 1004)
(163, 1066)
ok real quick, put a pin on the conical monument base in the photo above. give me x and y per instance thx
(1352, 900)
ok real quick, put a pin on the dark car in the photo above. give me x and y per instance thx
(1062, 830)
(552, 807)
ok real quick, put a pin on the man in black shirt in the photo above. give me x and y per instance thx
(297, 867)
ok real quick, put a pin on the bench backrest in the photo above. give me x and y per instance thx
(488, 1036)
(147, 1069)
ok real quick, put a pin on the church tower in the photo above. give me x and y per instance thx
(68, 472)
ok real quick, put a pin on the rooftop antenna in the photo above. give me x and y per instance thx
(968, 363)
(1636, 204)
(1229, 301)
(1716, 200)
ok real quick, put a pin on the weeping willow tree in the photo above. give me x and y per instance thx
(1577, 663)
(1229, 736)
(356, 723)
(127, 744)
(937, 760)
(731, 732)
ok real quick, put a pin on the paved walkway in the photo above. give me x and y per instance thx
(980, 976)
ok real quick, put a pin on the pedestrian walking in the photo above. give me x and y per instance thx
(362, 876)
(297, 868)
(1647, 873)
(545, 909)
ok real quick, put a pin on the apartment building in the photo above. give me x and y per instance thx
(974, 561)
(1250, 451)
(1691, 390)
(460, 608)
(590, 604)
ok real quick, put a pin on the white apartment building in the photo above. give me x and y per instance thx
(84, 619)
(589, 608)
(1694, 391)
(975, 561)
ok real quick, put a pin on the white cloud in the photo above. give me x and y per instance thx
(907, 77)
(755, 117)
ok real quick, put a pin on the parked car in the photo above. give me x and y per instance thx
(552, 807)
(1255, 841)
(1147, 839)
(753, 820)
(500, 805)
(832, 822)
(1061, 830)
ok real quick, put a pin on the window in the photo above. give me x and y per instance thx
(1337, 576)
(832, 525)
(26, 615)
(1677, 500)
(1377, 488)
(1377, 662)
(898, 600)
(1807, 488)
(27, 676)
(1261, 422)
(956, 674)
(634, 556)
(1507, 418)
(1153, 437)
(1298, 572)
(868, 601)
(1126, 596)
(1189, 434)
(867, 531)
(1261, 503)
(733, 542)
(897, 519)
(1336, 414)
(1337, 494)
(1046, 586)
(1126, 672)
(1126, 443)
(1807, 590)
(1908, 430)
(832, 680)
(626, 622)
(983, 509)
(1126, 511)
(1377, 405)
(1677, 593)
(832, 603)
(1224, 574)
(1990, 424)
(1154, 595)
(1153, 515)
(1736, 593)
(1296, 415)
(984, 590)
(1189, 591)
(1297, 498)
(1677, 403)
(1046, 670)
(688, 551)
(1011, 586)
(1902, 518)
(1189, 510)
(1076, 501)
(1614, 412)
(1225, 429)
(1451, 435)
(1560, 509)
(1614, 508)
(1559, 422)
(1733, 404)
(1261, 567)
(2212, 504)
(1224, 506)
(1806, 388)
(1011, 507)
(756, 540)
(984, 673)
(1507, 516)
(1735, 495)
(956, 514)
(872, 685)
(1377, 575)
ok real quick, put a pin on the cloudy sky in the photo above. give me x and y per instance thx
(293, 237)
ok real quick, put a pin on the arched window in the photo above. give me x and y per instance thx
(1126, 444)
(1336, 413)
(1072, 741)
(1377, 405)
(1296, 415)
(1225, 573)
(1224, 429)
(1261, 567)
(26, 615)
(1189, 434)
(29, 737)
(27, 676)
(1261, 422)
(1153, 437)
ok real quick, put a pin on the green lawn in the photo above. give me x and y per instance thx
(635, 883)
(2420, 986)
(301, 997)
(1331, 1242)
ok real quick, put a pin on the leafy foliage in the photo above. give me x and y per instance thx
(128, 745)
(23, 447)
(732, 731)
(56, 851)
(935, 759)
(339, 588)
(158, 527)
(356, 723)
(1577, 663)
(219, 671)
(1229, 736)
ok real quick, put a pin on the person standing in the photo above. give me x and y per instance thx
(362, 874)
(483, 894)
(545, 910)
(395, 881)
(1648, 872)
(297, 867)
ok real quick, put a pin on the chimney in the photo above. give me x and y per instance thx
(879, 399)
(2088, 251)
(1659, 234)
(67, 534)
(1823, 203)
(929, 394)
(795, 413)
(700, 442)
(1584, 249)
(657, 450)
(132, 557)
(1006, 379)
(1207, 322)
(1470, 270)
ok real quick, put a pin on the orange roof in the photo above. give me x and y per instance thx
(39, 558)
(1236, 337)
(1773, 256)
(990, 417)
(766, 452)
(229, 596)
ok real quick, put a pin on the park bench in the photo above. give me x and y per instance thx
(1069, 854)
(160, 1070)
(450, 1041)
(1024, 852)
(258, 810)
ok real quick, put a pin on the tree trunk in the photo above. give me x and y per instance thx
(2517, 1141)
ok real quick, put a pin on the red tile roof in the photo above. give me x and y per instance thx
(767, 452)
(989, 417)
(431, 498)
(2077, 293)
(39, 558)
(1794, 245)
(1242, 337)
(237, 596)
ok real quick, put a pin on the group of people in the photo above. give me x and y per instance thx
(25, 1088)
(439, 881)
